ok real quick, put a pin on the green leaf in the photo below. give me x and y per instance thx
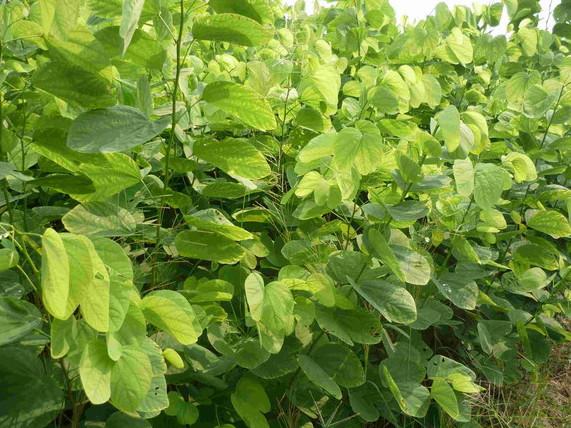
(537, 101)
(490, 181)
(459, 290)
(9, 258)
(120, 273)
(414, 266)
(234, 156)
(110, 173)
(241, 102)
(120, 420)
(186, 413)
(321, 85)
(95, 372)
(445, 396)
(318, 376)
(379, 248)
(276, 318)
(17, 319)
(55, 274)
(90, 282)
(214, 290)
(211, 246)
(412, 398)
(550, 222)
(457, 48)
(363, 402)
(259, 10)
(341, 364)
(129, 20)
(230, 27)
(521, 165)
(394, 302)
(464, 176)
(32, 394)
(173, 358)
(449, 121)
(392, 94)
(250, 401)
(362, 150)
(254, 289)
(213, 220)
(112, 129)
(350, 326)
(63, 81)
(100, 219)
(63, 334)
(171, 312)
(131, 378)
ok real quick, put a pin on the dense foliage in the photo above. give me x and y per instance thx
(231, 214)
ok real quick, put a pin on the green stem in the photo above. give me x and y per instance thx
(171, 141)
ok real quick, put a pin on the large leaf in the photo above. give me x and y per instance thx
(132, 10)
(251, 402)
(449, 121)
(341, 364)
(394, 302)
(363, 150)
(64, 80)
(318, 376)
(131, 378)
(230, 27)
(101, 219)
(17, 319)
(95, 372)
(32, 394)
(170, 311)
(90, 280)
(110, 173)
(112, 129)
(241, 102)
(234, 156)
(211, 246)
(259, 10)
(489, 183)
(463, 292)
(551, 222)
(55, 274)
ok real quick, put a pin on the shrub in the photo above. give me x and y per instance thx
(234, 214)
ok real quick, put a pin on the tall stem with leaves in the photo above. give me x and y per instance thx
(171, 141)
(172, 138)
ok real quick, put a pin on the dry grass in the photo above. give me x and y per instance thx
(531, 404)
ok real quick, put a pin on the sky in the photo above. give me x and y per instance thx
(419, 9)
